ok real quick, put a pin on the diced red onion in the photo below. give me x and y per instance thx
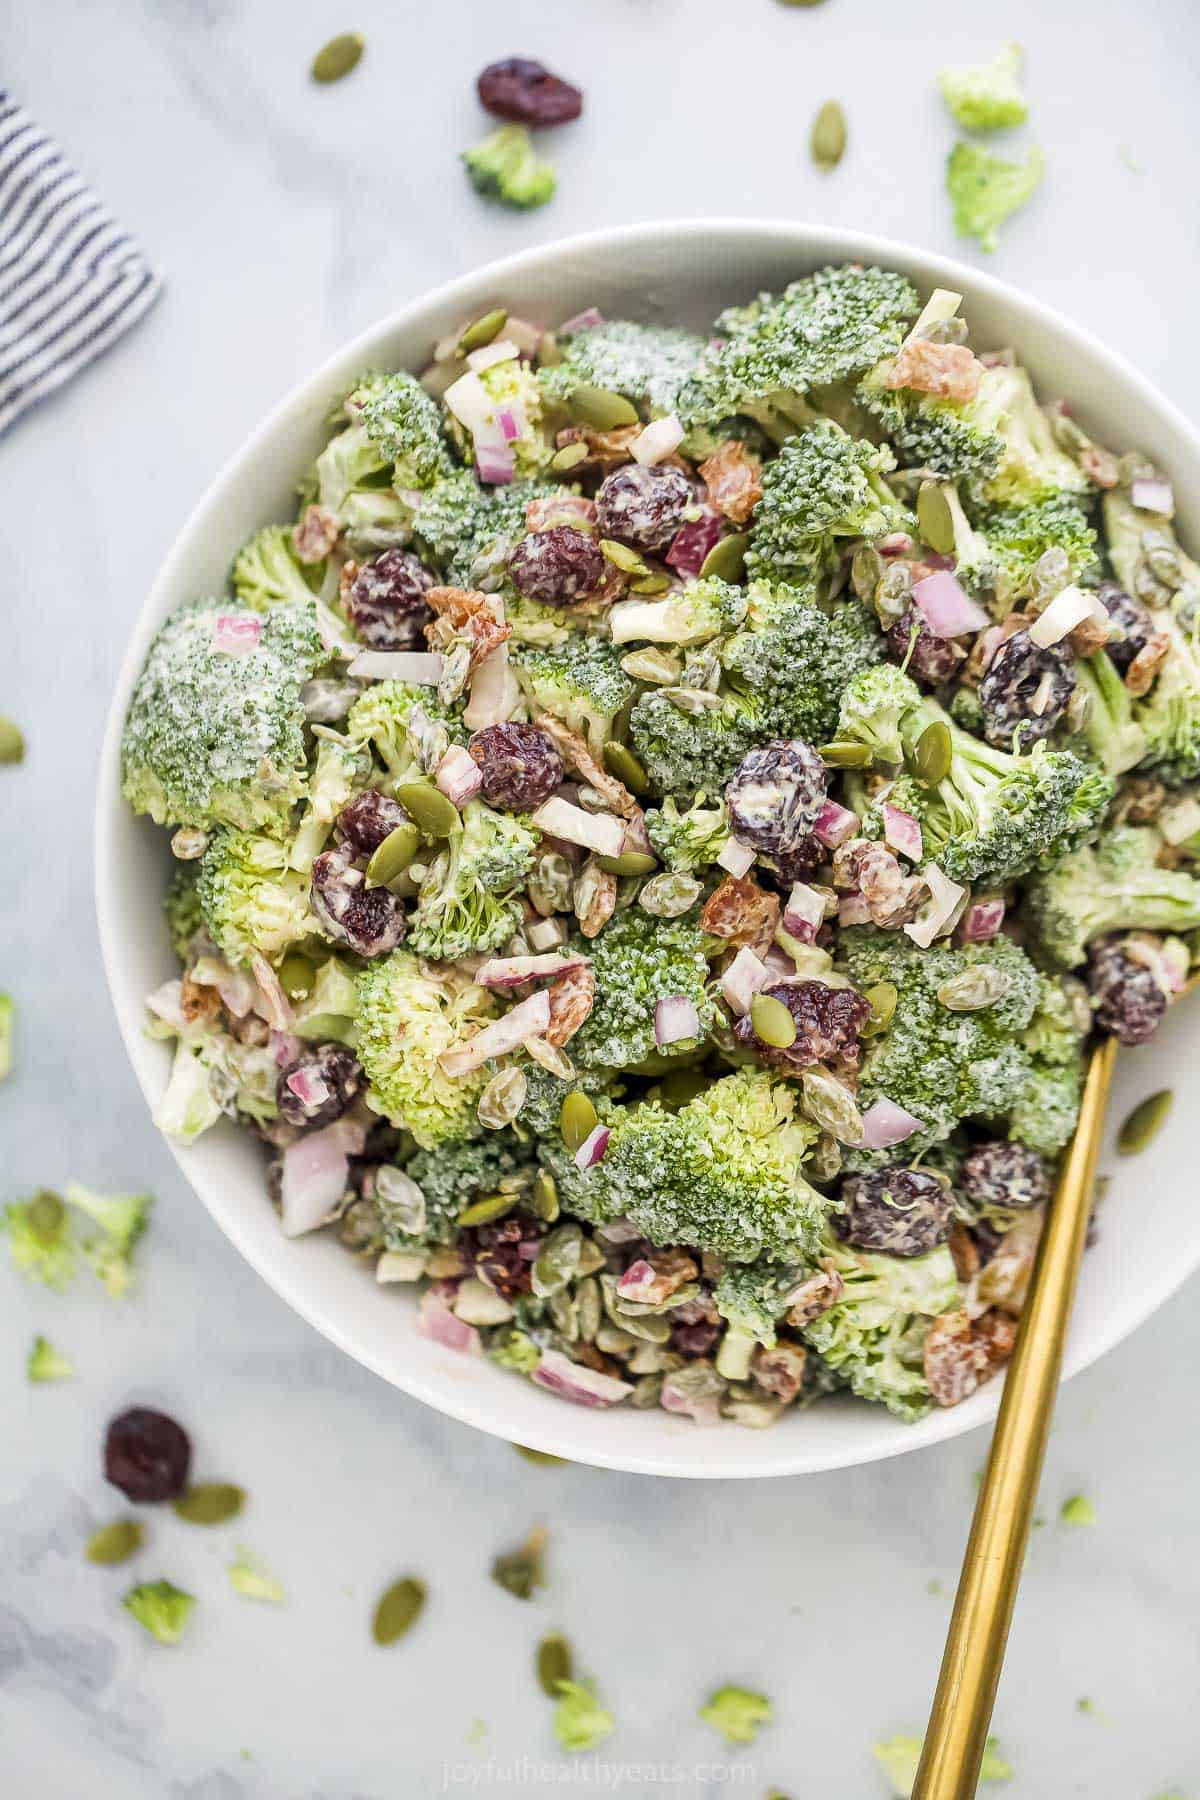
(581, 321)
(853, 909)
(946, 607)
(902, 833)
(885, 1124)
(511, 971)
(735, 858)
(235, 635)
(593, 1147)
(495, 466)
(657, 440)
(527, 337)
(744, 977)
(470, 402)
(458, 775)
(600, 832)
(835, 824)
(1067, 610)
(506, 420)
(544, 934)
(804, 912)
(702, 1409)
(422, 667)
(309, 1086)
(1152, 493)
(284, 1047)
(436, 1322)
(316, 1173)
(691, 544)
(639, 1282)
(572, 1381)
(675, 1018)
(896, 543)
(528, 1019)
(941, 911)
(498, 351)
(982, 920)
(272, 1003)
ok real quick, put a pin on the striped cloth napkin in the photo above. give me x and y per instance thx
(71, 281)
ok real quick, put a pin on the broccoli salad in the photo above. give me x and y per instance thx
(655, 834)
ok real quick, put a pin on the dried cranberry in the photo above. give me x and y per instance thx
(1129, 1002)
(1026, 690)
(1005, 1174)
(775, 795)
(501, 1253)
(643, 505)
(903, 1211)
(370, 920)
(521, 765)
(828, 1022)
(368, 819)
(333, 1071)
(557, 567)
(1133, 619)
(147, 1455)
(786, 867)
(521, 89)
(386, 601)
(933, 660)
(694, 1340)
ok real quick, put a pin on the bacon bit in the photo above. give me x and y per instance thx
(654, 1277)
(560, 509)
(571, 1000)
(964, 1250)
(1100, 466)
(1091, 634)
(815, 1296)
(999, 1335)
(732, 475)
(955, 1361)
(869, 869)
(577, 756)
(1004, 1279)
(316, 534)
(949, 371)
(1142, 671)
(198, 1002)
(988, 642)
(779, 1371)
(461, 613)
(347, 576)
(742, 913)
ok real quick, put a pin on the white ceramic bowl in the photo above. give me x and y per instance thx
(680, 272)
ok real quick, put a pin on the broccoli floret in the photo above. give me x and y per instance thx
(1114, 885)
(351, 463)
(512, 387)
(188, 1106)
(330, 1007)
(459, 518)
(183, 911)
(1045, 1116)
(820, 330)
(252, 901)
(692, 839)
(941, 1064)
(581, 682)
(737, 1713)
(121, 1219)
(213, 737)
(339, 772)
(637, 961)
(580, 1722)
(505, 167)
(1130, 533)
(688, 752)
(405, 425)
(987, 96)
(873, 706)
(45, 1363)
(465, 902)
(40, 1241)
(1017, 536)
(647, 363)
(383, 716)
(984, 189)
(545, 1093)
(723, 1173)
(43, 1244)
(1113, 735)
(874, 1337)
(702, 610)
(961, 442)
(795, 659)
(161, 1608)
(1170, 713)
(822, 486)
(752, 1297)
(267, 572)
(407, 1018)
(450, 1178)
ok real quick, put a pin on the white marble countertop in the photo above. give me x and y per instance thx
(285, 219)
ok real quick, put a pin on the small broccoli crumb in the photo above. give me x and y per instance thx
(900, 1757)
(737, 1713)
(161, 1608)
(504, 167)
(987, 96)
(1078, 1510)
(580, 1722)
(984, 189)
(7, 1017)
(407, 1018)
(248, 1578)
(45, 1363)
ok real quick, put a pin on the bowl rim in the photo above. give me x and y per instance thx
(827, 244)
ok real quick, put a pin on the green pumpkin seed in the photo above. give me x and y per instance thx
(390, 859)
(483, 331)
(652, 664)
(45, 1216)
(602, 409)
(933, 754)
(839, 755)
(398, 1610)
(338, 57)
(978, 987)
(12, 742)
(882, 1000)
(630, 862)
(727, 558)
(436, 816)
(543, 1197)
(1144, 1121)
(651, 584)
(115, 1543)
(296, 975)
(482, 1212)
(518, 1572)
(568, 457)
(828, 141)
(577, 1119)
(211, 1503)
(772, 1021)
(554, 1663)
(935, 518)
(623, 558)
(622, 763)
(539, 1456)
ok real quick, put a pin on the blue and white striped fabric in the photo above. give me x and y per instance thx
(71, 281)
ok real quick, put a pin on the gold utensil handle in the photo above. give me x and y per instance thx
(987, 1587)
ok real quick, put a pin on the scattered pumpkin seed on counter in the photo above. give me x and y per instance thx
(828, 141)
(338, 57)
(518, 1572)
(212, 1503)
(398, 1610)
(1144, 1122)
(115, 1543)
(542, 1457)
(554, 1663)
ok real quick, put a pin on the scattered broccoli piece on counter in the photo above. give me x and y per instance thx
(450, 1178)
(900, 1758)
(404, 423)
(465, 902)
(215, 737)
(704, 609)
(252, 901)
(248, 1578)
(581, 682)
(1078, 1510)
(795, 659)
(689, 840)
(505, 167)
(987, 96)
(386, 716)
(580, 1722)
(7, 1015)
(638, 960)
(121, 1220)
(648, 364)
(161, 1607)
(41, 1242)
(737, 1713)
(12, 742)
(267, 572)
(45, 1363)
(407, 1018)
(873, 1338)
(1114, 885)
(1018, 535)
(984, 189)
(823, 485)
